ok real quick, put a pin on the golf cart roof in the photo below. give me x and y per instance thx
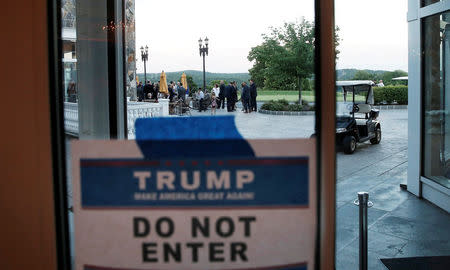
(400, 78)
(352, 83)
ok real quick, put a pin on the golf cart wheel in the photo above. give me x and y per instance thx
(349, 144)
(377, 138)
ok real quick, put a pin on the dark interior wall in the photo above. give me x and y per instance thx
(27, 229)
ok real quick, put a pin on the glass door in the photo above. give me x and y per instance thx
(125, 60)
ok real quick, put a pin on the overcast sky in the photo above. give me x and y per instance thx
(374, 33)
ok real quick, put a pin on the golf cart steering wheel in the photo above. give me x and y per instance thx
(355, 108)
(349, 107)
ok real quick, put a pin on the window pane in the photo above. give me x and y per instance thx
(436, 92)
(175, 51)
(429, 2)
(103, 62)
(237, 51)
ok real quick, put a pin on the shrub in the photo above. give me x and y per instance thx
(391, 94)
(283, 102)
(294, 107)
(267, 106)
(281, 105)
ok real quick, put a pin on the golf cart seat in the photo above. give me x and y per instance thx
(364, 108)
(361, 122)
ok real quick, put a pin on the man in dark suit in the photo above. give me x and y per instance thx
(253, 95)
(171, 92)
(245, 97)
(229, 95)
(234, 95)
(221, 95)
(181, 92)
(155, 92)
(140, 92)
(148, 89)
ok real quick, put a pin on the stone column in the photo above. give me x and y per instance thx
(100, 69)
(165, 106)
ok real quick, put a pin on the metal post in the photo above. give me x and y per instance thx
(325, 58)
(363, 200)
(145, 71)
(204, 76)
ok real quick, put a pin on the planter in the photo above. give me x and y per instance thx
(287, 112)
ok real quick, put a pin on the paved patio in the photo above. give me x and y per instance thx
(400, 224)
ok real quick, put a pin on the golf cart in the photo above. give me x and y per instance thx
(356, 121)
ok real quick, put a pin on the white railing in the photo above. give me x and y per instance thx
(144, 110)
(71, 118)
(135, 110)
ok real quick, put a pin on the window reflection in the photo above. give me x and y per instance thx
(436, 93)
(429, 2)
(92, 68)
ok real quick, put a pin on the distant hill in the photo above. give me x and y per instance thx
(348, 74)
(197, 76)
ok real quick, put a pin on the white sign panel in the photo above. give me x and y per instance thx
(255, 210)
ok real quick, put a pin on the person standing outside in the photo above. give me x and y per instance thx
(221, 95)
(155, 92)
(245, 97)
(181, 92)
(213, 104)
(148, 89)
(216, 90)
(201, 97)
(253, 95)
(72, 92)
(140, 92)
(171, 91)
(228, 95)
(234, 95)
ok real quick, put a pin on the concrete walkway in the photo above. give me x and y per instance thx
(400, 224)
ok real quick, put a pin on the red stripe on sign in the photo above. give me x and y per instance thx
(117, 163)
(276, 207)
(268, 162)
(275, 267)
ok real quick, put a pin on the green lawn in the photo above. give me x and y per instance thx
(266, 95)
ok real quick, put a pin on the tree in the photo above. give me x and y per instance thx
(306, 85)
(286, 56)
(262, 56)
(389, 75)
(213, 83)
(269, 71)
(364, 75)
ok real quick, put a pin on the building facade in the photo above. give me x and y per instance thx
(429, 100)
(69, 40)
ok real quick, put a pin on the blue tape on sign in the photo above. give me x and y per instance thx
(178, 137)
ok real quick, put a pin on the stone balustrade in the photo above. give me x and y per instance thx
(71, 118)
(135, 110)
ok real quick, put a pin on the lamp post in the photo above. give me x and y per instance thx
(144, 56)
(203, 49)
